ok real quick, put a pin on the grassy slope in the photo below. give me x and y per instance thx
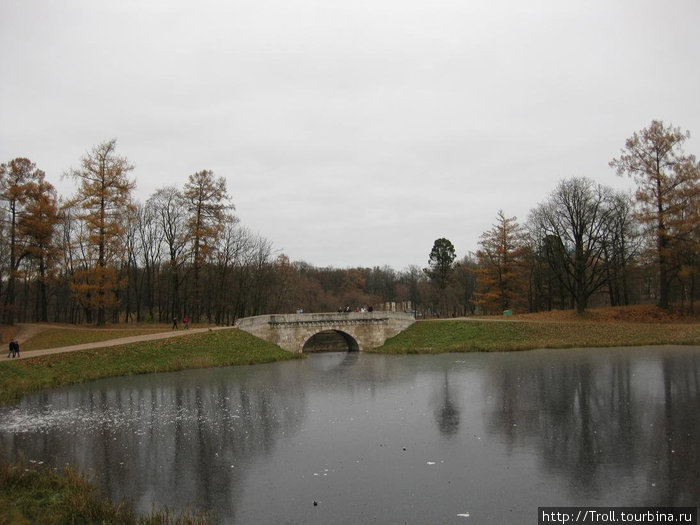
(501, 335)
(57, 337)
(219, 348)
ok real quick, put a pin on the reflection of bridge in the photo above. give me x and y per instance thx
(358, 330)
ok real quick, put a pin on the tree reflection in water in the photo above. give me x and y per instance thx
(447, 412)
(599, 419)
(176, 439)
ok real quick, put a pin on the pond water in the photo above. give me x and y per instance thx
(361, 438)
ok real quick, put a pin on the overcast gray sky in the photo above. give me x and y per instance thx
(350, 132)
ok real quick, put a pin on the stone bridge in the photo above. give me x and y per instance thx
(330, 331)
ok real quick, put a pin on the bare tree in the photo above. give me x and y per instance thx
(151, 238)
(622, 246)
(168, 205)
(577, 220)
(226, 257)
(465, 277)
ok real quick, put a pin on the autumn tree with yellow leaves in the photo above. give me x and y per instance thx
(209, 210)
(668, 182)
(103, 200)
(30, 217)
(38, 225)
(501, 281)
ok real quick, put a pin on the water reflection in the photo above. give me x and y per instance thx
(447, 411)
(177, 439)
(335, 360)
(598, 417)
(676, 427)
(412, 439)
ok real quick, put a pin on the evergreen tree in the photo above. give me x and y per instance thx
(440, 268)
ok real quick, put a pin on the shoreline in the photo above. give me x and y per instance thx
(227, 346)
(196, 349)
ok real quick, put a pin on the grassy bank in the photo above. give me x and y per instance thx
(35, 494)
(56, 337)
(441, 336)
(218, 348)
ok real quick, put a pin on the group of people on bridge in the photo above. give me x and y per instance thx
(347, 309)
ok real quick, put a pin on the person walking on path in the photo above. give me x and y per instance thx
(14, 349)
(174, 323)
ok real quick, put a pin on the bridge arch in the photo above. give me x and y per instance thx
(365, 330)
(330, 341)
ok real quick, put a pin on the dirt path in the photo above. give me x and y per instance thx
(29, 330)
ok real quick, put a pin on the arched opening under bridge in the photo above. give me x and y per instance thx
(331, 341)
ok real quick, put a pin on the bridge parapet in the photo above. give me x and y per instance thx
(292, 331)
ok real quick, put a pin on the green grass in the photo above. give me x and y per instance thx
(210, 349)
(30, 494)
(58, 337)
(488, 336)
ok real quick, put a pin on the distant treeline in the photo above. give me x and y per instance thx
(98, 256)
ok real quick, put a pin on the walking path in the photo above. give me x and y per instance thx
(28, 330)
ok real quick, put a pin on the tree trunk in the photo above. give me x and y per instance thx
(662, 245)
(663, 271)
(43, 297)
(9, 313)
(175, 283)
